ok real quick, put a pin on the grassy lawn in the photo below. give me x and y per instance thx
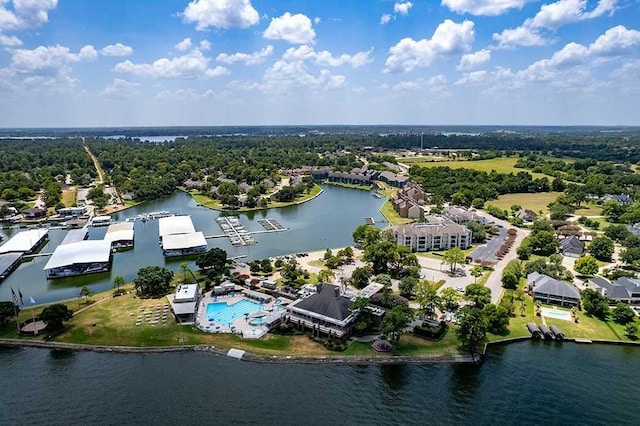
(351, 185)
(411, 345)
(392, 216)
(69, 196)
(589, 210)
(535, 202)
(500, 165)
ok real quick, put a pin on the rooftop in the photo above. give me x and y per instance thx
(183, 241)
(75, 235)
(327, 302)
(186, 293)
(544, 284)
(175, 225)
(23, 241)
(89, 251)
(120, 232)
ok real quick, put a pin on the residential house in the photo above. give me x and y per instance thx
(527, 215)
(34, 213)
(551, 291)
(623, 199)
(572, 246)
(326, 312)
(436, 233)
(460, 215)
(624, 289)
(393, 179)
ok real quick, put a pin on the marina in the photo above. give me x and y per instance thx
(235, 230)
(121, 235)
(179, 237)
(20, 245)
(271, 225)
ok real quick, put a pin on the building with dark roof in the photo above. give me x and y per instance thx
(327, 311)
(623, 199)
(526, 215)
(393, 179)
(624, 289)
(572, 246)
(551, 291)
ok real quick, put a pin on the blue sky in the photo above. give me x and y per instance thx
(253, 62)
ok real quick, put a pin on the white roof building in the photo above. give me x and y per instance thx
(82, 252)
(183, 241)
(186, 293)
(24, 242)
(120, 232)
(175, 225)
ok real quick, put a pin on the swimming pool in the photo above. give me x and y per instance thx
(224, 314)
(552, 313)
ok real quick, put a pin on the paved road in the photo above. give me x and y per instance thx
(495, 279)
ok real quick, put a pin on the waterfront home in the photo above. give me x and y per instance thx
(572, 246)
(325, 312)
(624, 289)
(184, 303)
(436, 233)
(34, 213)
(393, 179)
(72, 211)
(551, 291)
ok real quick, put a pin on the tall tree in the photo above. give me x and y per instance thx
(55, 315)
(427, 297)
(453, 257)
(472, 329)
(478, 294)
(394, 323)
(153, 281)
(118, 282)
(86, 292)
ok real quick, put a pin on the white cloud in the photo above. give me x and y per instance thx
(184, 95)
(563, 12)
(221, 14)
(205, 45)
(117, 49)
(49, 59)
(120, 89)
(191, 65)
(295, 29)
(615, 41)
(551, 17)
(449, 38)
(434, 84)
(385, 18)
(402, 8)
(317, 20)
(25, 13)
(326, 58)
(10, 41)
(246, 58)
(184, 45)
(519, 36)
(484, 7)
(472, 60)
(474, 77)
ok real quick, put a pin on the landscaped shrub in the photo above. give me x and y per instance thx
(431, 333)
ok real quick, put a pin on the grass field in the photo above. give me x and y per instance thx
(535, 202)
(500, 165)
(206, 201)
(69, 196)
(392, 216)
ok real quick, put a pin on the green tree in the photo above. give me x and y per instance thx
(472, 328)
(427, 297)
(361, 276)
(586, 265)
(453, 257)
(617, 232)
(612, 210)
(450, 299)
(55, 315)
(623, 314)
(213, 261)
(292, 273)
(184, 267)
(328, 254)
(406, 286)
(379, 254)
(7, 310)
(265, 265)
(394, 323)
(364, 318)
(496, 318)
(118, 282)
(478, 294)
(153, 281)
(365, 235)
(86, 292)
(596, 304)
(631, 330)
(601, 248)
(325, 275)
(476, 272)
(543, 243)
(509, 280)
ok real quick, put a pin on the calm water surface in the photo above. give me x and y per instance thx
(523, 383)
(326, 221)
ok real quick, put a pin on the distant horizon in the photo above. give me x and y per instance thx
(122, 63)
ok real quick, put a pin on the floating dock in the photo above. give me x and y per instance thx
(179, 237)
(271, 225)
(235, 231)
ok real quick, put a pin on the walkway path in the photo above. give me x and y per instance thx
(102, 177)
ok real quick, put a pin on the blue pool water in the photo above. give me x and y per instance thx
(224, 314)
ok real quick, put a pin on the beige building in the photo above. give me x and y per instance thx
(437, 233)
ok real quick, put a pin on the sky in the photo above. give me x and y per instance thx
(105, 63)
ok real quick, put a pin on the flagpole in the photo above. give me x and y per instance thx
(15, 309)
(33, 322)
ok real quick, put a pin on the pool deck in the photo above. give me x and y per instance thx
(241, 326)
(556, 314)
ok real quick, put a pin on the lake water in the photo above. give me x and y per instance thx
(523, 383)
(326, 221)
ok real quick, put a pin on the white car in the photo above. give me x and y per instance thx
(460, 289)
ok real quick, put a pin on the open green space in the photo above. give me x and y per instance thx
(208, 202)
(392, 216)
(536, 202)
(351, 185)
(68, 197)
(500, 164)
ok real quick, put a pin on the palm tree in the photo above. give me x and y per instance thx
(184, 267)
(86, 292)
